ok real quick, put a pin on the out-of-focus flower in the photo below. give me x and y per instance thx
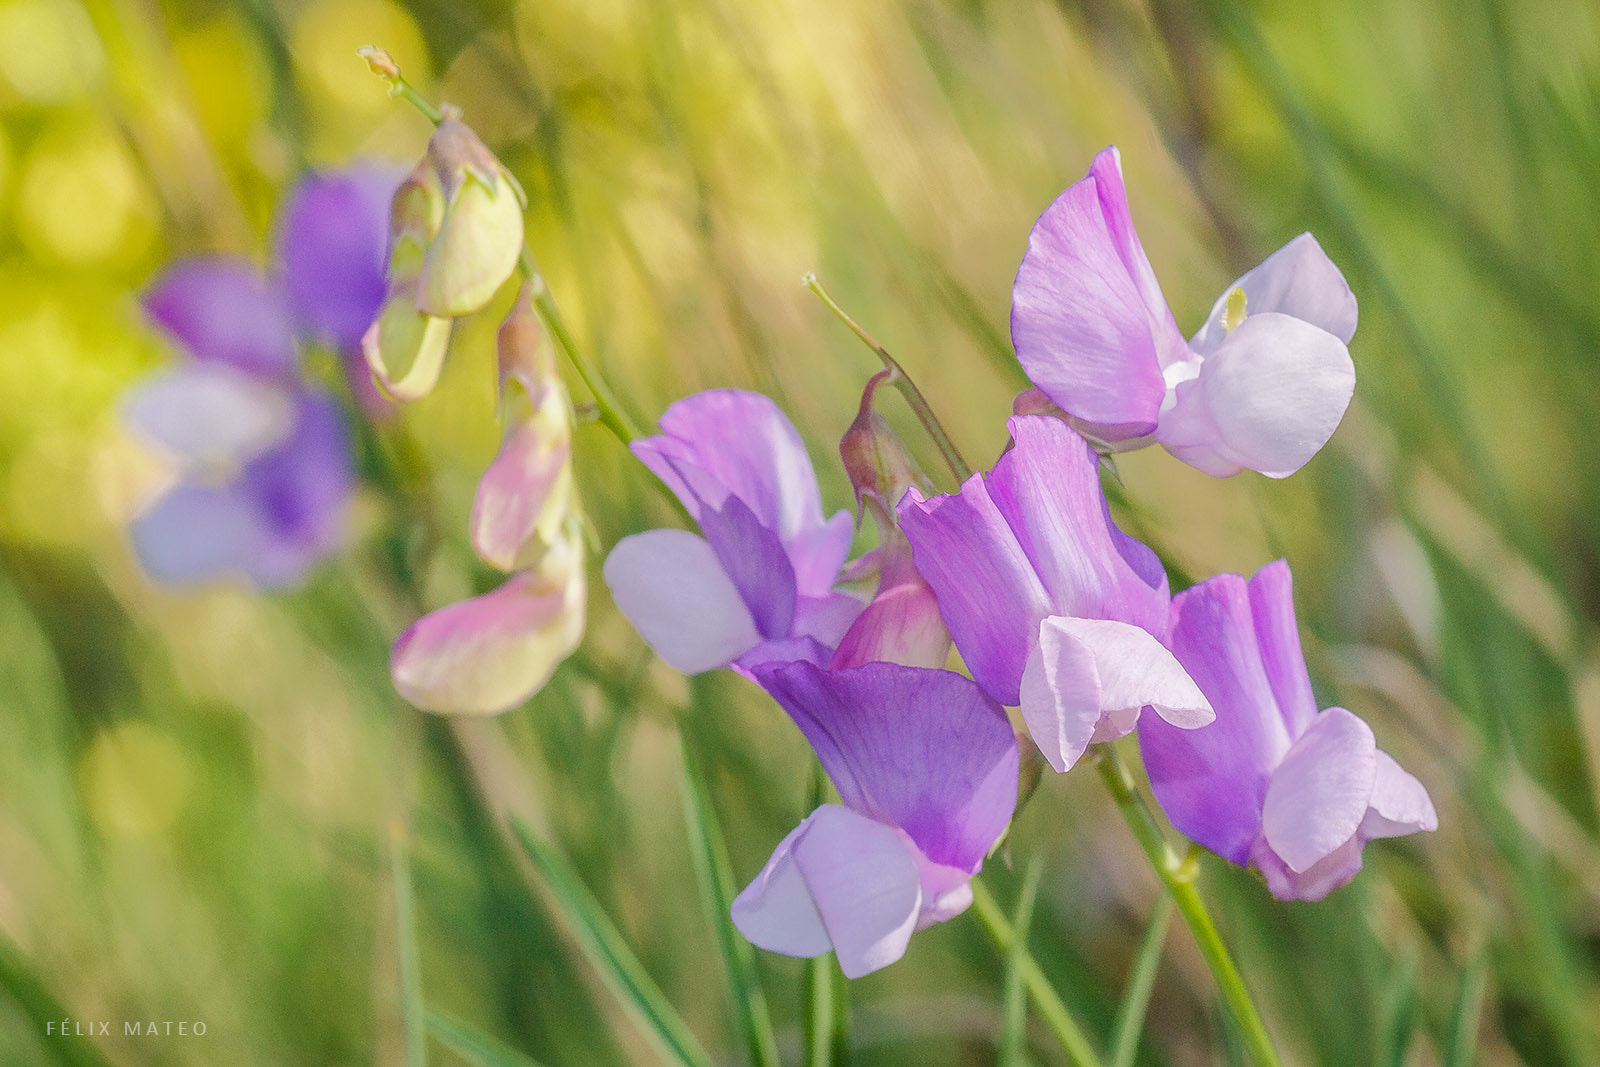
(490, 653)
(1273, 782)
(759, 585)
(926, 766)
(1050, 604)
(1264, 382)
(263, 461)
(404, 346)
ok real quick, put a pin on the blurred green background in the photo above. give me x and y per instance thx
(197, 790)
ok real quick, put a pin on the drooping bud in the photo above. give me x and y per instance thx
(405, 347)
(902, 624)
(480, 237)
(525, 496)
(880, 467)
(488, 654)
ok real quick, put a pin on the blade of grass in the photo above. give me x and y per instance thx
(824, 998)
(1461, 1040)
(1051, 1009)
(714, 874)
(473, 1045)
(1014, 1036)
(412, 1012)
(1400, 1009)
(609, 953)
(1136, 1000)
(17, 978)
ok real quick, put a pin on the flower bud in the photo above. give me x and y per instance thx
(405, 348)
(876, 459)
(480, 236)
(525, 496)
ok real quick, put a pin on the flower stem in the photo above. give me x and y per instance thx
(1179, 877)
(612, 416)
(1051, 1009)
(901, 381)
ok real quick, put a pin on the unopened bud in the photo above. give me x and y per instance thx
(380, 61)
(880, 467)
(480, 237)
(405, 348)
(523, 354)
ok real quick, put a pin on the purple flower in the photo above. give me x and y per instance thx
(1264, 382)
(926, 768)
(1273, 782)
(264, 473)
(1050, 604)
(761, 578)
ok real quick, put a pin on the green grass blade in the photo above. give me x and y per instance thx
(609, 953)
(17, 978)
(412, 1012)
(1461, 1040)
(1400, 1011)
(824, 992)
(1136, 1000)
(1014, 1035)
(714, 874)
(473, 1045)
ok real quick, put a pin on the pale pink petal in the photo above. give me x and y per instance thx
(1320, 792)
(1268, 399)
(521, 499)
(1400, 805)
(490, 653)
(1298, 280)
(673, 589)
(1085, 671)
(853, 877)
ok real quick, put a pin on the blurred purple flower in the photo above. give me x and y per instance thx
(759, 583)
(1050, 604)
(265, 472)
(1264, 382)
(1273, 782)
(926, 767)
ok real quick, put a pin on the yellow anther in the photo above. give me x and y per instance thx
(1233, 311)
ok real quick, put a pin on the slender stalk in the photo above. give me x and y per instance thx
(1051, 1009)
(901, 381)
(1179, 876)
(412, 1012)
(1014, 1034)
(611, 412)
(1136, 1000)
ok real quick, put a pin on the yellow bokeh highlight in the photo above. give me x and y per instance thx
(324, 41)
(48, 51)
(134, 780)
(228, 80)
(81, 200)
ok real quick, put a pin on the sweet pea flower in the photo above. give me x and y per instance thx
(1052, 607)
(490, 653)
(926, 768)
(759, 583)
(1264, 382)
(263, 472)
(1273, 783)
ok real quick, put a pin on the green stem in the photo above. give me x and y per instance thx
(1179, 876)
(1051, 1009)
(901, 381)
(612, 415)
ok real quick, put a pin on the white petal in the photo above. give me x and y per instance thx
(672, 588)
(209, 413)
(1319, 793)
(1297, 280)
(1085, 674)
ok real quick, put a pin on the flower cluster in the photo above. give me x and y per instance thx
(1053, 609)
(262, 458)
(455, 237)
